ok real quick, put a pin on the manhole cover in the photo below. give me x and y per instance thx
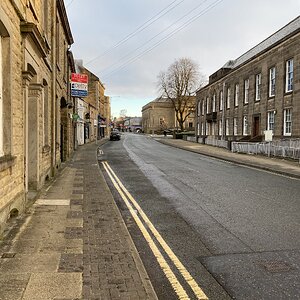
(276, 266)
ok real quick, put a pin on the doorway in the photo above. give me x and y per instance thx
(256, 125)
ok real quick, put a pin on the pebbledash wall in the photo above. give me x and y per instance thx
(258, 91)
(34, 41)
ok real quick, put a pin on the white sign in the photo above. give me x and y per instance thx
(268, 135)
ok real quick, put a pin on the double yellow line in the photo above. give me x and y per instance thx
(134, 209)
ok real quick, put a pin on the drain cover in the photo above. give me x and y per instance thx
(276, 266)
(8, 255)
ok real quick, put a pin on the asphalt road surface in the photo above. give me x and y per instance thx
(234, 229)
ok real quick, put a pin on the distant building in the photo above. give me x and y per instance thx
(159, 115)
(258, 91)
(133, 124)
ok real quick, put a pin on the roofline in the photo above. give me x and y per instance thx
(65, 22)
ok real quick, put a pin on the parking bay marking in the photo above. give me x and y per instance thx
(165, 267)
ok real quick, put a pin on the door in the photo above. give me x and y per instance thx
(256, 121)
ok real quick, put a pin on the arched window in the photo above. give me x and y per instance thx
(46, 112)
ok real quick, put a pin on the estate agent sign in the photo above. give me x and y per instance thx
(79, 85)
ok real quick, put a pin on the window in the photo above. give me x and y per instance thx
(214, 103)
(45, 17)
(236, 94)
(246, 91)
(272, 74)
(228, 97)
(198, 129)
(220, 127)
(203, 104)
(245, 125)
(46, 112)
(287, 126)
(1, 102)
(191, 125)
(199, 109)
(207, 105)
(235, 126)
(202, 128)
(289, 75)
(227, 127)
(257, 87)
(271, 119)
(221, 100)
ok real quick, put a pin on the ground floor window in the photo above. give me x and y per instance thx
(235, 126)
(220, 127)
(245, 125)
(287, 126)
(271, 120)
(227, 126)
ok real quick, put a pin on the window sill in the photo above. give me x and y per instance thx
(6, 161)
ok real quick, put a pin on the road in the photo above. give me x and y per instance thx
(234, 229)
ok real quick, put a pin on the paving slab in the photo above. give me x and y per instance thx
(53, 286)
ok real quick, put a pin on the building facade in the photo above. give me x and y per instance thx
(159, 115)
(35, 128)
(258, 91)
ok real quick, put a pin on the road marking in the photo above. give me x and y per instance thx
(179, 290)
(183, 271)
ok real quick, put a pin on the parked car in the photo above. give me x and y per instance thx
(115, 135)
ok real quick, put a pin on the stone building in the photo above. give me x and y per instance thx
(34, 99)
(258, 91)
(97, 113)
(159, 115)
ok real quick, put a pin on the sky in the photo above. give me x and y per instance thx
(127, 43)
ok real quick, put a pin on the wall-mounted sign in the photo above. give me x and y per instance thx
(79, 85)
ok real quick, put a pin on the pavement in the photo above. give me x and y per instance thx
(281, 166)
(72, 243)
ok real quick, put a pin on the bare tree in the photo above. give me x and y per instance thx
(179, 84)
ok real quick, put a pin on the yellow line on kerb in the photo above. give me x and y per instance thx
(162, 262)
(183, 271)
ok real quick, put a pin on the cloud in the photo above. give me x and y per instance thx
(225, 32)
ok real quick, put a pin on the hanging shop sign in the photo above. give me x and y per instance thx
(79, 85)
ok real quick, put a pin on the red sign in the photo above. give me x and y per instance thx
(82, 78)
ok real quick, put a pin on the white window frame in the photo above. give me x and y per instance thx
(220, 127)
(227, 127)
(203, 106)
(271, 120)
(258, 87)
(289, 75)
(228, 98)
(236, 95)
(199, 109)
(245, 125)
(1, 101)
(235, 126)
(272, 81)
(221, 100)
(214, 103)
(207, 105)
(287, 122)
(246, 91)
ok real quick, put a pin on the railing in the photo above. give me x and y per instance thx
(216, 142)
(280, 148)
